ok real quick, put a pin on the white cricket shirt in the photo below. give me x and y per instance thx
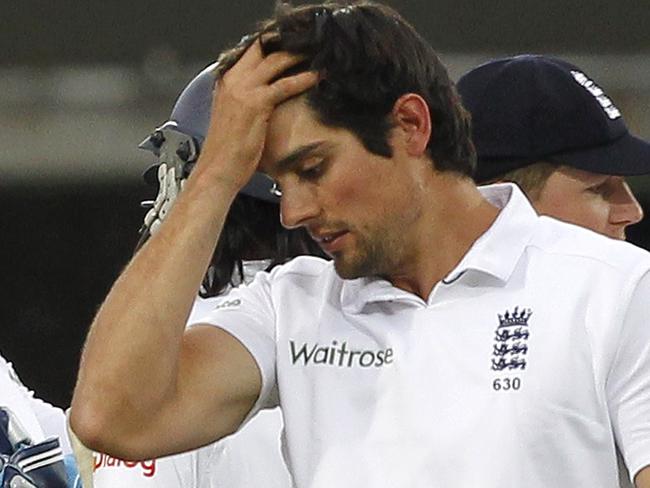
(39, 419)
(522, 368)
(249, 458)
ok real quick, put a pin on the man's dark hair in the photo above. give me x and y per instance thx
(253, 231)
(367, 56)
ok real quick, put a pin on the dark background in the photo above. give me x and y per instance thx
(69, 168)
(123, 30)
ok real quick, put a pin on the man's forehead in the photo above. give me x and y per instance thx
(293, 131)
(295, 159)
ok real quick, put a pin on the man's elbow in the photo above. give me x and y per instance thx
(100, 433)
(642, 479)
(88, 426)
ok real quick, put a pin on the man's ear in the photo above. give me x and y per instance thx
(413, 123)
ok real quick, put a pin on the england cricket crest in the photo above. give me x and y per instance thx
(511, 340)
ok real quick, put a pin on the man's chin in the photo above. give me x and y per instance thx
(349, 270)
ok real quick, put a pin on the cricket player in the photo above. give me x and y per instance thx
(546, 125)
(443, 343)
(579, 178)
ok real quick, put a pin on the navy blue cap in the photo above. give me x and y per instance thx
(532, 108)
(191, 116)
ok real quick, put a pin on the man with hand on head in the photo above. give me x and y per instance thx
(547, 126)
(439, 347)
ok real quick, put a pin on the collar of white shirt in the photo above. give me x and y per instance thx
(495, 254)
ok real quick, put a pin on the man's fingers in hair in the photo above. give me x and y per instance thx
(290, 86)
(251, 57)
(274, 65)
(256, 70)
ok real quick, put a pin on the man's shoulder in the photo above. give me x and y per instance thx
(303, 266)
(308, 276)
(583, 245)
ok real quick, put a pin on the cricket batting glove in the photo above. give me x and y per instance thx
(38, 466)
(176, 145)
(177, 153)
(12, 433)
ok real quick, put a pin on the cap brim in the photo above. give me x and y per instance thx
(627, 156)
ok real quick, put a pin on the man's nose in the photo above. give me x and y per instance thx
(626, 208)
(298, 205)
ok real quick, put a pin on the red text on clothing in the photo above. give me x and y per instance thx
(148, 467)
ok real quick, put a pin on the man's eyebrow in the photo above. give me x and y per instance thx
(289, 162)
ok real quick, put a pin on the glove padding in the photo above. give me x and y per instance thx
(12, 433)
(37, 466)
(170, 186)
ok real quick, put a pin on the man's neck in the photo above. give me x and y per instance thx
(459, 216)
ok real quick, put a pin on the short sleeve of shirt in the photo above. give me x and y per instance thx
(247, 313)
(628, 384)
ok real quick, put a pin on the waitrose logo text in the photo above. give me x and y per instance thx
(339, 355)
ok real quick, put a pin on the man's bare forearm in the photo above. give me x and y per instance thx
(642, 480)
(130, 363)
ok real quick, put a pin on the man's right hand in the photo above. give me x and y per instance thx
(243, 103)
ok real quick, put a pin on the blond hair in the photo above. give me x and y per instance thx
(531, 179)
